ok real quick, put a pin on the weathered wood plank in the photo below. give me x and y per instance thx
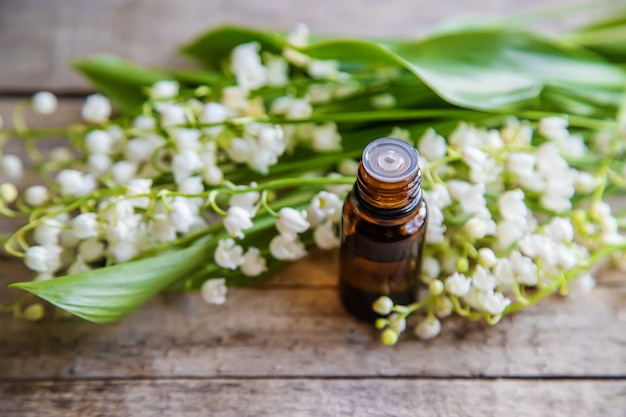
(298, 397)
(38, 38)
(305, 332)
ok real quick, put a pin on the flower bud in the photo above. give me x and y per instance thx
(36, 195)
(33, 312)
(436, 287)
(389, 337)
(8, 192)
(380, 323)
(462, 265)
(44, 102)
(383, 305)
(475, 229)
(428, 328)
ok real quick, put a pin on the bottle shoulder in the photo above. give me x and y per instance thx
(355, 218)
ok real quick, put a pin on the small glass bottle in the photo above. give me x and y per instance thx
(383, 229)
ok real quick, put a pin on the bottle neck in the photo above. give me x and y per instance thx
(387, 199)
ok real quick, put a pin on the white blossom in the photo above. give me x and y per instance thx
(237, 220)
(464, 135)
(320, 69)
(74, 183)
(483, 280)
(475, 229)
(486, 257)
(507, 233)
(44, 102)
(325, 236)
(253, 263)
(43, 258)
(512, 206)
(228, 254)
(123, 171)
(493, 302)
(164, 89)
(443, 307)
(161, 228)
(436, 229)
(77, 267)
(383, 305)
(557, 195)
(326, 138)
(143, 122)
(457, 284)
(12, 166)
(582, 284)
(299, 36)
(397, 323)
(85, 225)
(428, 328)
(214, 291)
(185, 164)
(68, 240)
(524, 268)
(98, 141)
(324, 205)
(517, 133)
(99, 164)
(122, 251)
(554, 128)
(438, 196)
(48, 232)
(431, 145)
(348, 167)
(383, 101)
(298, 109)
(8, 192)
(139, 186)
(290, 222)
(97, 109)
(285, 249)
(560, 229)
(171, 114)
(431, 268)
(235, 98)
(246, 201)
(36, 195)
(91, 250)
(246, 64)
(182, 215)
(187, 139)
(585, 182)
(277, 69)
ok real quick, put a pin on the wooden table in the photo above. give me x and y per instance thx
(285, 348)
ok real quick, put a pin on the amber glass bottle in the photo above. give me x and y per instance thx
(383, 229)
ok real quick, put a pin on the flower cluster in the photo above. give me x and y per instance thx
(256, 166)
(504, 221)
(126, 189)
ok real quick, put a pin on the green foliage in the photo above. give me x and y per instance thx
(108, 294)
(122, 81)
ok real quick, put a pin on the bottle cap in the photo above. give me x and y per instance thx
(390, 160)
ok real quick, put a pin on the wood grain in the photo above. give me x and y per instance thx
(297, 332)
(315, 398)
(38, 38)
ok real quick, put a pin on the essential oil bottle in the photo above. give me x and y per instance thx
(383, 229)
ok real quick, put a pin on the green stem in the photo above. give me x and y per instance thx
(571, 274)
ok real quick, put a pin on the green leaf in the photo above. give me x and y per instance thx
(122, 81)
(214, 46)
(108, 294)
(483, 68)
(606, 37)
